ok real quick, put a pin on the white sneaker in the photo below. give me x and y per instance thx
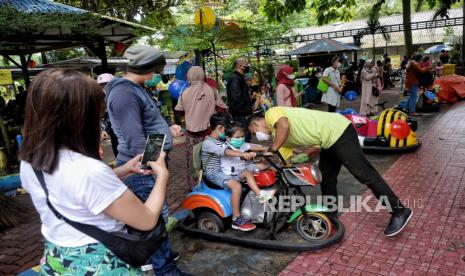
(265, 196)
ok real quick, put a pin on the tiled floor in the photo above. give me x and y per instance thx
(432, 182)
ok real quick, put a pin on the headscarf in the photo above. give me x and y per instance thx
(366, 68)
(196, 79)
(283, 72)
(282, 78)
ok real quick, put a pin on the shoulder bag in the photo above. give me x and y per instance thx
(130, 245)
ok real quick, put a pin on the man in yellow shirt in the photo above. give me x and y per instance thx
(334, 137)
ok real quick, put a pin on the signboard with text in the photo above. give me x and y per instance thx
(5, 77)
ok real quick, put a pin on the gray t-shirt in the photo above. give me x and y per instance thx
(212, 151)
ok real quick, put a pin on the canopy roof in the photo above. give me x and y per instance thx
(110, 31)
(324, 45)
(89, 64)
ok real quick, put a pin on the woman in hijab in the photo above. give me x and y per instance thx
(285, 92)
(368, 103)
(198, 102)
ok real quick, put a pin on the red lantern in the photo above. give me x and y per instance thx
(31, 64)
(119, 47)
(400, 129)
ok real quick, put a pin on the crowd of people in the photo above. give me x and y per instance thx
(63, 129)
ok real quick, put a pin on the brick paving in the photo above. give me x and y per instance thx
(21, 247)
(432, 182)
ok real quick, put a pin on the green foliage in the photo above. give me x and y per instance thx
(65, 54)
(155, 13)
(13, 22)
(326, 10)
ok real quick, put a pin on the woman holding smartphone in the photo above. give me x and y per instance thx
(61, 138)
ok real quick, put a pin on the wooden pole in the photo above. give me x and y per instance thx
(27, 79)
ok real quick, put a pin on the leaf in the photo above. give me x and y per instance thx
(55, 264)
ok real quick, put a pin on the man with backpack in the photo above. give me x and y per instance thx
(134, 114)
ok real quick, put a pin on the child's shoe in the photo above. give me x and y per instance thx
(243, 223)
(265, 195)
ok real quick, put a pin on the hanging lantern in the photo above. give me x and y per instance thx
(205, 17)
(31, 64)
(120, 47)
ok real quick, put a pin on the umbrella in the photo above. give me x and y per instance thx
(436, 49)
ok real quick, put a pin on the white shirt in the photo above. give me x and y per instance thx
(331, 96)
(234, 165)
(80, 189)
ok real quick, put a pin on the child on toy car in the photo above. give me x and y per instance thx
(239, 169)
(213, 149)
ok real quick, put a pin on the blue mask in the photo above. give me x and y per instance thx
(156, 79)
(222, 136)
(237, 142)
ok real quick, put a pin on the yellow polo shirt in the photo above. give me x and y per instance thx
(310, 128)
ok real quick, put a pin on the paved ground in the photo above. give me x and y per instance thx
(21, 247)
(431, 181)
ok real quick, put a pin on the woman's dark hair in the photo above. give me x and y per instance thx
(232, 128)
(220, 119)
(379, 63)
(335, 59)
(63, 109)
(417, 57)
(425, 58)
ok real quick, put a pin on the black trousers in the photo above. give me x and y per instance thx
(331, 108)
(347, 151)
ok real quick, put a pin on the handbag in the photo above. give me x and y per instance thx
(132, 246)
(322, 86)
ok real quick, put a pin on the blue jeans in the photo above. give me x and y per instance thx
(412, 100)
(141, 185)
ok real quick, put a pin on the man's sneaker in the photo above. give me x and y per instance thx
(398, 222)
(242, 223)
(266, 195)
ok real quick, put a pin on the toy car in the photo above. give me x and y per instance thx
(394, 131)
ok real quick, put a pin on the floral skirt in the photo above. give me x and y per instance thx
(90, 259)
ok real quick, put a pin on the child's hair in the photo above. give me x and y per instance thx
(219, 119)
(233, 128)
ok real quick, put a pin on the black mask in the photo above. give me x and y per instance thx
(246, 69)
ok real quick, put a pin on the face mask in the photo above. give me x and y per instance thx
(291, 76)
(261, 136)
(237, 142)
(246, 69)
(222, 136)
(156, 79)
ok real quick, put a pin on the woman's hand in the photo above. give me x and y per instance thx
(131, 167)
(103, 135)
(159, 166)
(176, 130)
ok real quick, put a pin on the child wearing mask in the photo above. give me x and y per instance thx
(239, 169)
(213, 149)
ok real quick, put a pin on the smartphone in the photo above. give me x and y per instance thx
(153, 148)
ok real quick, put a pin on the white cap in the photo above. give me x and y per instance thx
(104, 78)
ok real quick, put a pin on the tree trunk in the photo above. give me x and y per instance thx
(374, 47)
(406, 15)
(463, 32)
